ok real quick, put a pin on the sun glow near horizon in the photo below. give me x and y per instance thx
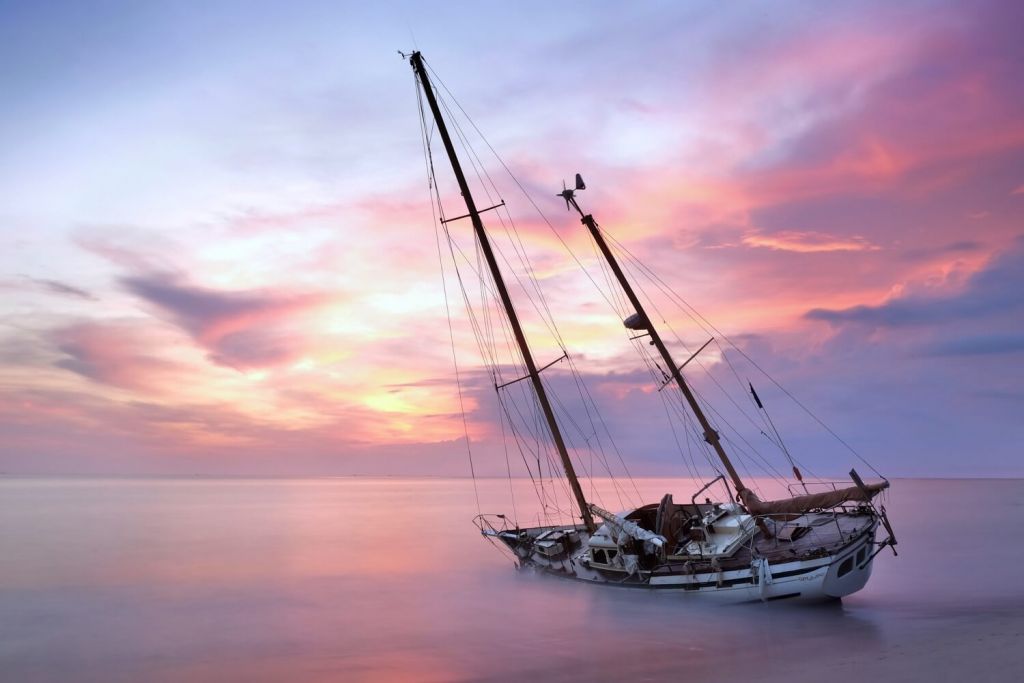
(239, 257)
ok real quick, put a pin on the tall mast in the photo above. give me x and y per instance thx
(499, 283)
(644, 322)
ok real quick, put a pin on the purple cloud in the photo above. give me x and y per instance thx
(993, 292)
(62, 288)
(239, 329)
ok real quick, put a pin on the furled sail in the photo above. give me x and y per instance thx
(623, 526)
(798, 505)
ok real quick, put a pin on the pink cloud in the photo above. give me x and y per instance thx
(242, 329)
(832, 165)
(117, 354)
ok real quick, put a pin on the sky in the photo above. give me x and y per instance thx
(218, 253)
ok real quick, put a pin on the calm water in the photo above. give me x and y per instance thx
(386, 580)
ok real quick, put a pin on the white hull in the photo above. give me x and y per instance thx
(826, 577)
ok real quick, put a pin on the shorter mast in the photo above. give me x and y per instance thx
(549, 414)
(644, 322)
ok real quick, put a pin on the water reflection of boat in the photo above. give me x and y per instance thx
(814, 545)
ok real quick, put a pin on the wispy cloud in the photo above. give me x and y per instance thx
(117, 354)
(241, 329)
(807, 242)
(62, 288)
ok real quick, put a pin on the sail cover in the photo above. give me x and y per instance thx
(798, 505)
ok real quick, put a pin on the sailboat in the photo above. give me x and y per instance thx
(808, 546)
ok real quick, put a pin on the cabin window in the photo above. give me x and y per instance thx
(845, 567)
(860, 555)
(598, 556)
(611, 555)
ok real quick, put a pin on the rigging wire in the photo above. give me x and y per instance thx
(484, 331)
(707, 405)
(739, 409)
(690, 310)
(519, 249)
(429, 162)
(515, 180)
(540, 305)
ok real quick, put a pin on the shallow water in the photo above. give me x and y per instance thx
(386, 580)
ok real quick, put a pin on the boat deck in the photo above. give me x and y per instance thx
(824, 535)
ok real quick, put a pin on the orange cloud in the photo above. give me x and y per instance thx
(807, 242)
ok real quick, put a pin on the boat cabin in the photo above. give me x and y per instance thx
(696, 531)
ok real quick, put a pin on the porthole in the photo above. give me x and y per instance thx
(861, 554)
(845, 567)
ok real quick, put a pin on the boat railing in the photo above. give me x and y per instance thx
(814, 531)
(493, 524)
